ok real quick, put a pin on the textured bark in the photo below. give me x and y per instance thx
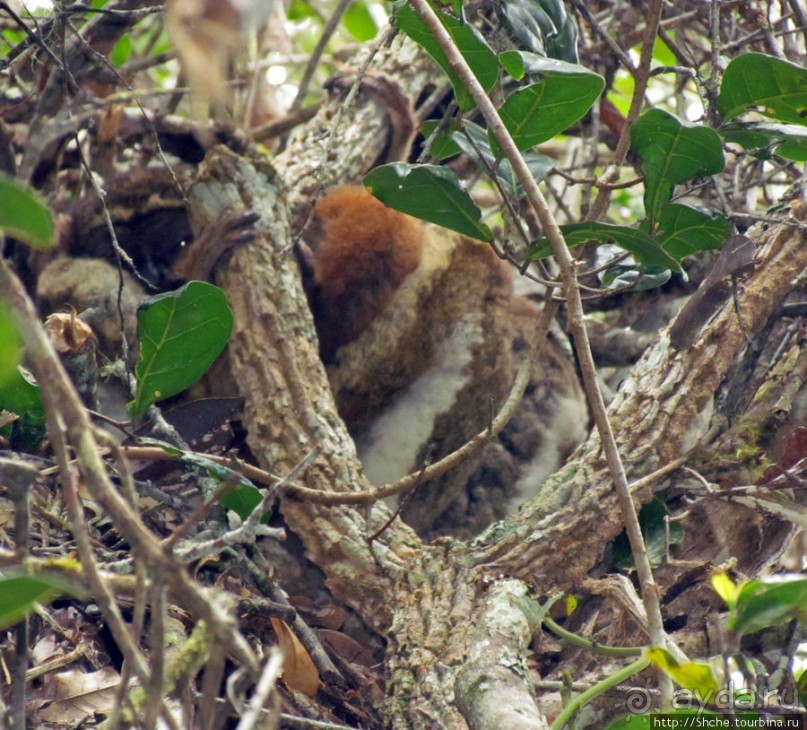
(434, 603)
(575, 514)
(354, 137)
(289, 410)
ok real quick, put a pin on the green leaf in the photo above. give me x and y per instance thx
(541, 26)
(19, 594)
(300, 10)
(10, 346)
(542, 110)
(169, 449)
(697, 677)
(11, 37)
(654, 530)
(430, 193)
(485, 160)
(672, 152)
(768, 602)
(23, 214)
(522, 63)
(768, 85)
(683, 230)
(121, 52)
(19, 395)
(476, 52)
(801, 688)
(663, 54)
(765, 139)
(443, 146)
(638, 243)
(243, 498)
(180, 333)
(359, 22)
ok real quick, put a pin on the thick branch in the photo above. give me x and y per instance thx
(575, 513)
(274, 359)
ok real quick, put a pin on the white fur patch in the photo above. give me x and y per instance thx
(389, 447)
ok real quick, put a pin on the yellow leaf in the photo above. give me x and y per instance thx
(697, 677)
(299, 672)
(726, 588)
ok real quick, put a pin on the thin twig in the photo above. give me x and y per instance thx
(18, 478)
(68, 421)
(265, 687)
(641, 76)
(328, 30)
(281, 607)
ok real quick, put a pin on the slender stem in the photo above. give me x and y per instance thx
(600, 688)
(641, 75)
(316, 55)
(568, 267)
(585, 643)
(68, 423)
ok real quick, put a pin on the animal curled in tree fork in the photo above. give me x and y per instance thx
(420, 332)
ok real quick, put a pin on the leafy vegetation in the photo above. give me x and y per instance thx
(180, 334)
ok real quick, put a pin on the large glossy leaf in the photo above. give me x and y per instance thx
(430, 193)
(478, 149)
(476, 52)
(542, 110)
(768, 85)
(180, 333)
(638, 243)
(765, 139)
(672, 152)
(542, 26)
(23, 214)
(683, 230)
(768, 602)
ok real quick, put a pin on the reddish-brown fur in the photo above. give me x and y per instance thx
(362, 254)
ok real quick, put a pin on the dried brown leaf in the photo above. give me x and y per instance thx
(299, 672)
